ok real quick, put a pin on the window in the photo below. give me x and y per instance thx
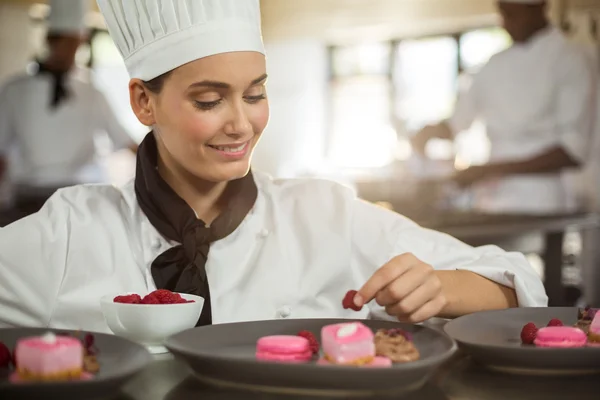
(382, 93)
(425, 77)
(476, 47)
(362, 134)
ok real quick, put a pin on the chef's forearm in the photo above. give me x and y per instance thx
(553, 160)
(467, 292)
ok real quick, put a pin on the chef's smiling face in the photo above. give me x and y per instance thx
(521, 21)
(207, 115)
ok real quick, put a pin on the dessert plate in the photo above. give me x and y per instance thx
(224, 355)
(119, 359)
(493, 338)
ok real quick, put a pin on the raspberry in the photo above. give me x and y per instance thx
(5, 356)
(312, 340)
(348, 301)
(128, 299)
(149, 299)
(394, 332)
(528, 333)
(166, 296)
(555, 322)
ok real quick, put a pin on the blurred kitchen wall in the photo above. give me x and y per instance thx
(298, 35)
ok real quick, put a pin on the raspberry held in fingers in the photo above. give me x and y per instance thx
(348, 301)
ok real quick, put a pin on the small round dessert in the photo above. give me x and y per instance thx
(560, 336)
(396, 344)
(283, 348)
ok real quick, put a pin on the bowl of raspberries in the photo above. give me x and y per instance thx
(149, 319)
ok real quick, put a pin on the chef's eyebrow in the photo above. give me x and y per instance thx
(224, 85)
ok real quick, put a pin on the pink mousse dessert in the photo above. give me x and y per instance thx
(49, 358)
(348, 343)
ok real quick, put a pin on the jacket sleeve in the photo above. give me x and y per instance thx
(33, 253)
(378, 235)
(576, 103)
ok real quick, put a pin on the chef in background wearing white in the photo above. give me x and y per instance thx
(537, 100)
(49, 119)
(196, 220)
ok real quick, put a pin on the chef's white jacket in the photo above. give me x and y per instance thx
(303, 245)
(531, 97)
(55, 146)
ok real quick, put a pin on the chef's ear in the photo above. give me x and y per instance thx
(140, 98)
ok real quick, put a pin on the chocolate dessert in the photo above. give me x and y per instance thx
(584, 318)
(396, 344)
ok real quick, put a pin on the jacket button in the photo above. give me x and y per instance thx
(285, 312)
(263, 233)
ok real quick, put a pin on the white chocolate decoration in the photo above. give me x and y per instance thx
(347, 330)
(49, 338)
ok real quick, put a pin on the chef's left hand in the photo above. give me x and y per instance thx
(408, 288)
(471, 175)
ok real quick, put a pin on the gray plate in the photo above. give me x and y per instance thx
(119, 360)
(224, 355)
(493, 338)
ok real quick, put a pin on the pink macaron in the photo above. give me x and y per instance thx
(560, 336)
(283, 348)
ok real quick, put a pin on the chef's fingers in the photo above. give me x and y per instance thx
(429, 310)
(425, 286)
(405, 284)
(383, 276)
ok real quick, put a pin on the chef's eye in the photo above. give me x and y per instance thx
(207, 105)
(255, 99)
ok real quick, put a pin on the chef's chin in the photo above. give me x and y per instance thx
(225, 172)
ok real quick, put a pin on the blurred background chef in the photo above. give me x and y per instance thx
(537, 100)
(50, 118)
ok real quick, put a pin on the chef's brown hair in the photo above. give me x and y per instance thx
(155, 85)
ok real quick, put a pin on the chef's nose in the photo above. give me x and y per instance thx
(238, 125)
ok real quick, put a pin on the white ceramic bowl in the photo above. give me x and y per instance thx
(151, 324)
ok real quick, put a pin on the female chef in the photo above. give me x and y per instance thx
(195, 217)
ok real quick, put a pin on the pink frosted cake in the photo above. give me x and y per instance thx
(348, 343)
(49, 358)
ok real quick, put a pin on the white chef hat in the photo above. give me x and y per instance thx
(523, 1)
(67, 16)
(157, 36)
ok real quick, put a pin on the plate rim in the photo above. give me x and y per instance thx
(451, 325)
(437, 359)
